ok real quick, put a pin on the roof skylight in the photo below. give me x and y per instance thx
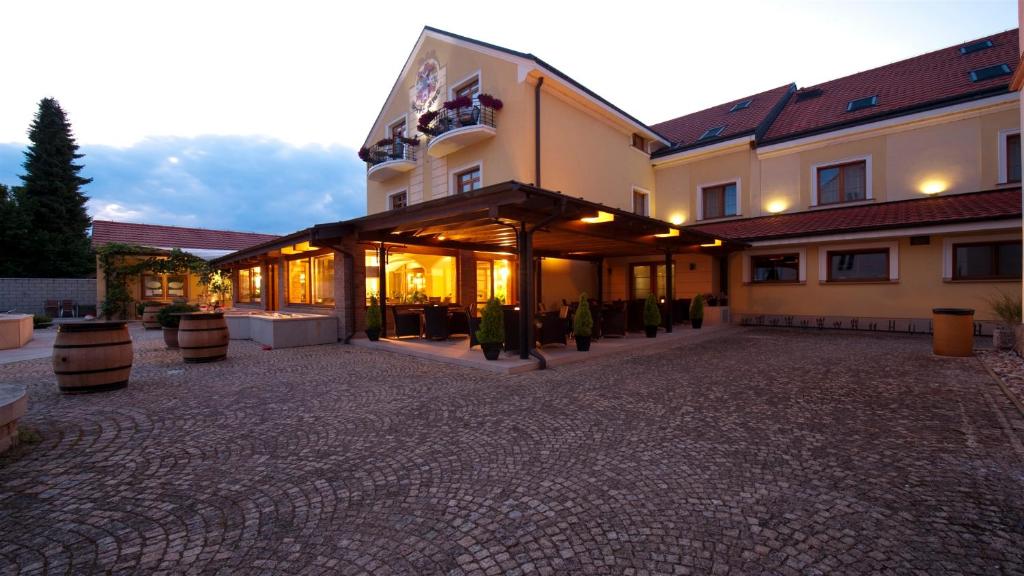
(711, 133)
(862, 103)
(741, 105)
(989, 72)
(975, 46)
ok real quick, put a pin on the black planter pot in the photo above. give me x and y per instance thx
(583, 343)
(697, 323)
(373, 334)
(651, 331)
(491, 350)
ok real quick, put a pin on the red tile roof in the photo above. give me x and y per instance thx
(685, 130)
(153, 235)
(929, 79)
(988, 205)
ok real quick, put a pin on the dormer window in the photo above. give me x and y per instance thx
(975, 46)
(862, 103)
(712, 133)
(639, 142)
(740, 105)
(982, 74)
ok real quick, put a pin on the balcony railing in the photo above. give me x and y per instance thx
(447, 120)
(385, 151)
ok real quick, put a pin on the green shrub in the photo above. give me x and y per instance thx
(1006, 307)
(697, 307)
(41, 321)
(492, 324)
(652, 315)
(140, 308)
(166, 316)
(583, 322)
(373, 319)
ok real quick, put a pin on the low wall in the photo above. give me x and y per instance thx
(28, 295)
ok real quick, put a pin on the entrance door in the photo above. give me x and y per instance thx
(647, 278)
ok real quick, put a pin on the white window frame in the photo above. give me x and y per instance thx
(747, 268)
(396, 193)
(739, 197)
(645, 192)
(947, 253)
(479, 82)
(1001, 146)
(453, 187)
(868, 192)
(894, 259)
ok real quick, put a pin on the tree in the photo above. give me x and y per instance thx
(15, 233)
(52, 199)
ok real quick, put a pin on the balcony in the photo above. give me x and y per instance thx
(389, 158)
(452, 128)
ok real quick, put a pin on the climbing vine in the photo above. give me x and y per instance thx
(121, 262)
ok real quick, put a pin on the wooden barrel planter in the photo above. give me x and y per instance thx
(149, 321)
(92, 356)
(203, 337)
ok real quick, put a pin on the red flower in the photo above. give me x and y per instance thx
(460, 102)
(364, 154)
(490, 101)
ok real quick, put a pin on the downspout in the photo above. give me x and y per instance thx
(536, 131)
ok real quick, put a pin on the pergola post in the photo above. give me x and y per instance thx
(524, 238)
(382, 282)
(669, 277)
(600, 281)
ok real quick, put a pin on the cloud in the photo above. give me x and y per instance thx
(228, 182)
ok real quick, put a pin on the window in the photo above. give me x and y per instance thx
(398, 200)
(719, 201)
(311, 280)
(741, 106)
(468, 180)
(250, 284)
(842, 183)
(493, 279)
(975, 46)
(641, 205)
(775, 268)
(982, 74)
(163, 287)
(411, 278)
(647, 279)
(711, 133)
(861, 103)
(858, 265)
(1013, 159)
(639, 142)
(987, 260)
(398, 130)
(470, 89)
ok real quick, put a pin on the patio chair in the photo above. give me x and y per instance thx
(551, 329)
(68, 307)
(511, 318)
(51, 308)
(613, 320)
(407, 323)
(681, 310)
(635, 316)
(458, 322)
(474, 326)
(436, 319)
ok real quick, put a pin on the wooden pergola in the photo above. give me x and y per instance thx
(529, 222)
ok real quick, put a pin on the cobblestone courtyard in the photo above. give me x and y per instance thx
(750, 451)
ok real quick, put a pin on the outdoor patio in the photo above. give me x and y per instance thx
(739, 451)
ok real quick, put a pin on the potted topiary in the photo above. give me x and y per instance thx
(492, 329)
(1008, 309)
(169, 317)
(697, 311)
(583, 324)
(373, 320)
(652, 316)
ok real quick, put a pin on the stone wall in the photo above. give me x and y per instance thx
(28, 295)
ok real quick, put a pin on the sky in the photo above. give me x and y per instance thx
(248, 115)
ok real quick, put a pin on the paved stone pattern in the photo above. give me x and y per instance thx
(748, 452)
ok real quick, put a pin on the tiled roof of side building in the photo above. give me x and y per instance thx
(737, 119)
(969, 207)
(158, 236)
(938, 78)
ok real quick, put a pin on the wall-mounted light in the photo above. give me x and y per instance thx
(677, 219)
(776, 206)
(933, 186)
(442, 237)
(601, 217)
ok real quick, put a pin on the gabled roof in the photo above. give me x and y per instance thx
(974, 206)
(685, 131)
(522, 57)
(158, 236)
(931, 80)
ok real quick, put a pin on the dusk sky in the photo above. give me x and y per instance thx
(248, 115)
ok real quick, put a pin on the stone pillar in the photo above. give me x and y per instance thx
(282, 283)
(350, 290)
(466, 292)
